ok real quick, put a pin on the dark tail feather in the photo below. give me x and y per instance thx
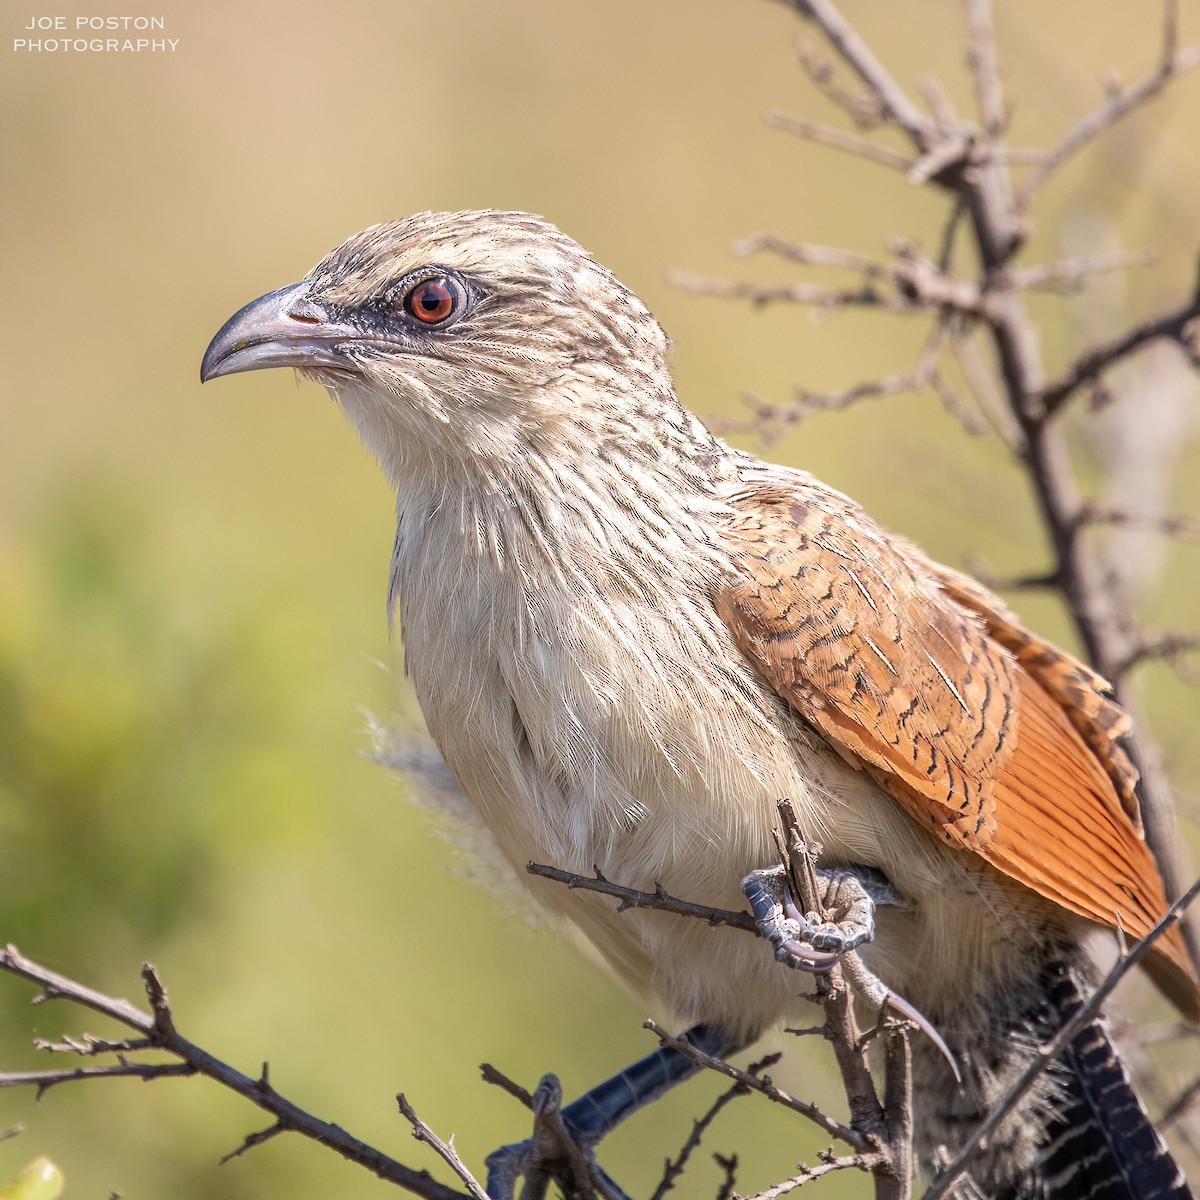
(1081, 1133)
(1100, 1144)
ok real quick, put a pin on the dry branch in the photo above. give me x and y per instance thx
(673, 1168)
(828, 135)
(1173, 326)
(632, 898)
(1123, 101)
(158, 1032)
(764, 1087)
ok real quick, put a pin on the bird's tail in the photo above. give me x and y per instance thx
(1081, 1134)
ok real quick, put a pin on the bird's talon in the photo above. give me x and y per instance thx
(807, 941)
(911, 1013)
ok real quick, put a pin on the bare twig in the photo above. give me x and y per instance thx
(446, 1150)
(253, 1139)
(913, 283)
(952, 151)
(44, 1080)
(158, 1030)
(1123, 101)
(945, 255)
(1173, 326)
(1176, 525)
(863, 108)
(1169, 647)
(1065, 275)
(498, 1079)
(972, 424)
(938, 101)
(729, 1167)
(88, 1046)
(923, 374)
(810, 255)
(985, 69)
(674, 1168)
(824, 298)
(839, 139)
(631, 898)
(809, 1174)
(893, 100)
(997, 414)
(764, 1086)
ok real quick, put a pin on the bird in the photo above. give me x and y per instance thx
(630, 639)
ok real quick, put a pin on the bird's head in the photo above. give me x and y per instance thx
(460, 338)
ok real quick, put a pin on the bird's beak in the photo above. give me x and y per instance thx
(281, 329)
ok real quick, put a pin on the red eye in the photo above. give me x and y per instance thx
(432, 300)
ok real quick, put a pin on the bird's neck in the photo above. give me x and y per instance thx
(615, 508)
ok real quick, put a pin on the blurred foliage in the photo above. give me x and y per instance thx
(191, 585)
(40, 1180)
(122, 733)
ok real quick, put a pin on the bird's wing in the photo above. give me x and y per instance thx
(996, 742)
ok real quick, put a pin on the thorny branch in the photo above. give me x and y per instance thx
(764, 1087)
(879, 1132)
(828, 1164)
(446, 1150)
(1172, 63)
(157, 1030)
(631, 898)
(673, 1168)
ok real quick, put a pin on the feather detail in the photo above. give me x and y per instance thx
(998, 743)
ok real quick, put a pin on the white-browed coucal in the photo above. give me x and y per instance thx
(630, 640)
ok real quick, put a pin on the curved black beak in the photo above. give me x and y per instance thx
(281, 329)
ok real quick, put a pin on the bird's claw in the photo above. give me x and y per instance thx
(910, 1012)
(552, 1154)
(806, 941)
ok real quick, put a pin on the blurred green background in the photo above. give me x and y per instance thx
(192, 626)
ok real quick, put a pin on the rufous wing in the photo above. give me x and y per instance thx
(997, 742)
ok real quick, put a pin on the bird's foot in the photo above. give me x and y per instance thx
(554, 1154)
(807, 940)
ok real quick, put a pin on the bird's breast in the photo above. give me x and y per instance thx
(594, 723)
(599, 713)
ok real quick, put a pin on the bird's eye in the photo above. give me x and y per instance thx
(434, 300)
